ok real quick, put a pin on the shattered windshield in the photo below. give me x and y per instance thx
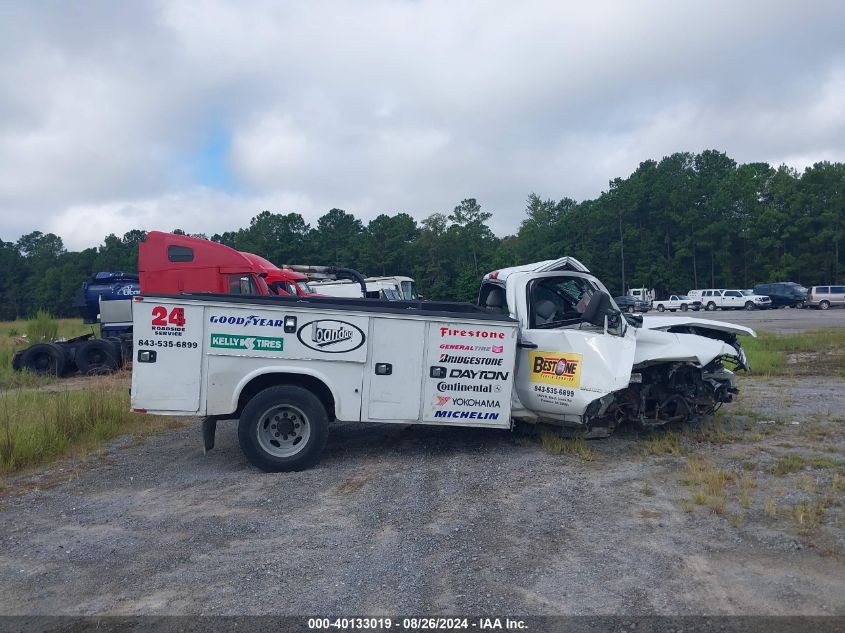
(558, 301)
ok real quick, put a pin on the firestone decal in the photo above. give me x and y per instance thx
(447, 331)
(331, 336)
(556, 368)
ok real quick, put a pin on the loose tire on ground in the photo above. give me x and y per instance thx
(46, 359)
(283, 428)
(96, 357)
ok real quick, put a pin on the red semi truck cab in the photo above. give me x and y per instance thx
(174, 264)
(280, 280)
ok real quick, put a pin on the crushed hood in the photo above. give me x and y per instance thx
(664, 323)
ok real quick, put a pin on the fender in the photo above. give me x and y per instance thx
(286, 369)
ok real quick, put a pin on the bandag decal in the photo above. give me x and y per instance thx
(556, 368)
(331, 336)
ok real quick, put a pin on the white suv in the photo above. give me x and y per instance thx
(712, 299)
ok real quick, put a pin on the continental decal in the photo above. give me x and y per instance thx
(556, 368)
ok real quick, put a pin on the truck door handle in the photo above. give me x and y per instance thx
(527, 345)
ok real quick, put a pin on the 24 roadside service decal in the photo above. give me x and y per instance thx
(167, 323)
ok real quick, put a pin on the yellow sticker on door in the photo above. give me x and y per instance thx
(556, 368)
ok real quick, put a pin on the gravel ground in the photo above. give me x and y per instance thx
(403, 520)
(424, 520)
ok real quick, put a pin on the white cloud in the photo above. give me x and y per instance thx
(381, 106)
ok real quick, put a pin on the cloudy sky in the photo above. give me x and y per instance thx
(197, 115)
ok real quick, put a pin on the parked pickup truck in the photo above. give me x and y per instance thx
(730, 299)
(545, 345)
(677, 302)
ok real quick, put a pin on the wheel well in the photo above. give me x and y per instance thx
(314, 385)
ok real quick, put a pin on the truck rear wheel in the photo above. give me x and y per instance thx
(97, 356)
(45, 359)
(660, 307)
(283, 429)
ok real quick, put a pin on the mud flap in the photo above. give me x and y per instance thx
(209, 429)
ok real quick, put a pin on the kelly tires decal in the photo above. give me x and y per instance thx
(283, 428)
(331, 336)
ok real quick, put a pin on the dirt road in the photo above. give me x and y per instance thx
(743, 515)
(421, 520)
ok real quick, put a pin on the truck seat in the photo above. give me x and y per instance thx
(544, 311)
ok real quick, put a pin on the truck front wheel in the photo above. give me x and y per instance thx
(283, 428)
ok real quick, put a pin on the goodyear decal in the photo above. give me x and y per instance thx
(556, 368)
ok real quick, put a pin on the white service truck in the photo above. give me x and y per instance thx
(546, 344)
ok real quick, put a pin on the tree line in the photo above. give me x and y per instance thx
(686, 221)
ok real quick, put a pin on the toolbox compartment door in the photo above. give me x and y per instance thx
(167, 356)
(395, 347)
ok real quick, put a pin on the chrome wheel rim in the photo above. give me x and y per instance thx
(283, 430)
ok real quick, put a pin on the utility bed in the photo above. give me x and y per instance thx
(384, 361)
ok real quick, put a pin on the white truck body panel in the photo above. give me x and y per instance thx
(202, 367)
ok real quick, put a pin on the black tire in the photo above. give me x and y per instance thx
(96, 356)
(711, 307)
(749, 305)
(117, 345)
(46, 359)
(660, 307)
(683, 307)
(824, 305)
(630, 309)
(267, 446)
(799, 305)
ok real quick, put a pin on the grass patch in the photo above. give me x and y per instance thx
(793, 463)
(661, 442)
(647, 489)
(769, 508)
(808, 516)
(42, 327)
(815, 352)
(709, 485)
(37, 427)
(555, 444)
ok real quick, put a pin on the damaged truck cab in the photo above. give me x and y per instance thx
(582, 363)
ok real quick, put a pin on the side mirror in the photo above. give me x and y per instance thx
(597, 308)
